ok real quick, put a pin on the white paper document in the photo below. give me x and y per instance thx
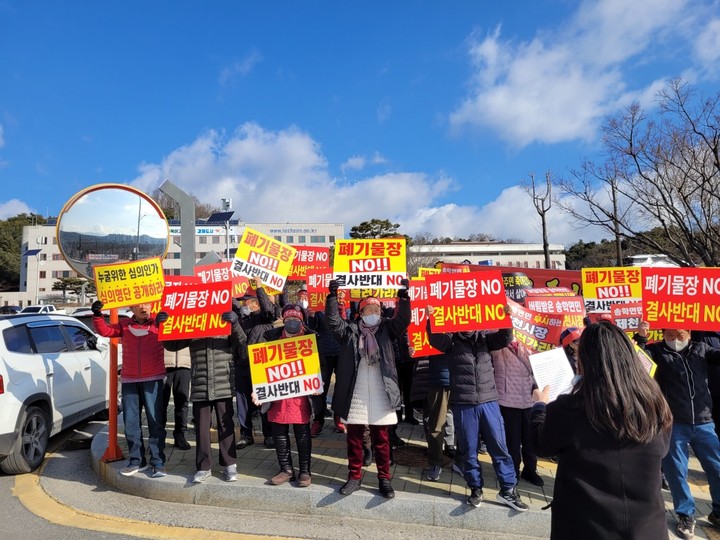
(551, 368)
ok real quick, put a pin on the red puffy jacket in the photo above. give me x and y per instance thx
(143, 356)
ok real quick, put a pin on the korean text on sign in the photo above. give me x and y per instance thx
(195, 310)
(308, 258)
(682, 298)
(538, 331)
(262, 256)
(417, 330)
(285, 368)
(370, 264)
(126, 284)
(467, 301)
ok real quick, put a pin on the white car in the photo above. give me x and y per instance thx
(53, 374)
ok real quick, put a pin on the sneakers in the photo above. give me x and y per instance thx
(367, 457)
(386, 489)
(282, 477)
(132, 469)
(304, 480)
(230, 473)
(181, 443)
(316, 428)
(533, 477)
(685, 526)
(159, 472)
(339, 426)
(351, 486)
(245, 441)
(482, 449)
(200, 477)
(476, 496)
(434, 473)
(714, 520)
(512, 499)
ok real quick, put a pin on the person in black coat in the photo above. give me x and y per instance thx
(609, 434)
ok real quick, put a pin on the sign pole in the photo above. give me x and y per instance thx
(113, 451)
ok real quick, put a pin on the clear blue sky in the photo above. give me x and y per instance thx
(425, 113)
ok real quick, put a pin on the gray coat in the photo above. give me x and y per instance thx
(347, 333)
(212, 365)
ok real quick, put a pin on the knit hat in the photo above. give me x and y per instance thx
(291, 310)
(369, 301)
(569, 335)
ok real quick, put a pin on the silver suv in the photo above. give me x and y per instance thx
(53, 374)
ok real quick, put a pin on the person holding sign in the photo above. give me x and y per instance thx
(609, 434)
(366, 386)
(474, 402)
(212, 387)
(142, 379)
(296, 411)
(682, 373)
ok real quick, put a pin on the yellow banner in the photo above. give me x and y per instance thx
(422, 272)
(285, 368)
(263, 256)
(378, 263)
(130, 283)
(603, 287)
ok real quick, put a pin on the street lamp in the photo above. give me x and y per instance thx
(227, 204)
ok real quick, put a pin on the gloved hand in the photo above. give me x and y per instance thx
(333, 286)
(229, 316)
(161, 317)
(96, 308)
(403, 293)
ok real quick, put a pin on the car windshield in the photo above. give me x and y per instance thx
(31, 309)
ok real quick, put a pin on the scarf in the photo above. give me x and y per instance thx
(369, 347)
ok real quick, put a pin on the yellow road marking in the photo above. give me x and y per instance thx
(31, 494)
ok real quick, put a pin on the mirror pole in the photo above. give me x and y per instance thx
(187, 226)
(113, 451)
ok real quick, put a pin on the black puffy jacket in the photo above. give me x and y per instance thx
(472, 379)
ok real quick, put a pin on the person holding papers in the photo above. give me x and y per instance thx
(609, 434)
(476, 413)
(296, 411)
(366, 387)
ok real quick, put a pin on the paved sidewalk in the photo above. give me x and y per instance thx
(418, 500)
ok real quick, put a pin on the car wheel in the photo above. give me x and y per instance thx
(31, 445)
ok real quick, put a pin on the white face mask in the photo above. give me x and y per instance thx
(677, 344)
(244, 310)
(304, 304)
(371, 320)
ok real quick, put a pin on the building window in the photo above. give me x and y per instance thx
(331, 238)
(42, 274)
(525, 264)
(215, 239)
(202, 240)
(537, 264)
(278, 238)
(317, 239)
(57, 257)
(301, 239)
(289, 238)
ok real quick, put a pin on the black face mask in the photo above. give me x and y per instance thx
(293, 326)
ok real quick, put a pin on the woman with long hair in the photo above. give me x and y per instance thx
(609, 434)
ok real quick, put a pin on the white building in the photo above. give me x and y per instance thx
(490, 254)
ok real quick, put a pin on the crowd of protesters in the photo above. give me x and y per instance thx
(615, 436)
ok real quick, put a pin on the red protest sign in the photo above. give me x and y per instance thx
(538, 331)
(417, 331)
(195, 310)
(307, 258)
(681, 298)
(467, 301)
(220, 272)
(318, 281)
(627, 316)
(549, 291)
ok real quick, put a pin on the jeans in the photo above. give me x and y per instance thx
(706, 446)
(135, 397)
(483, 420)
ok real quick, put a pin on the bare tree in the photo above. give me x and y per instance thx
(543, 203)
(660, 173)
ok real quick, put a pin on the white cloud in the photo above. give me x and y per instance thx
(560, 84)
(12, 208)
(384, 111)
(378, 159)
(355, 163)
(707, 45)
(279, 176)
(241, 67)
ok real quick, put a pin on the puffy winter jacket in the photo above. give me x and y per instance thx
(347, 333)
(142, 354)
(472, 381)
(513, 377)
(212, 364)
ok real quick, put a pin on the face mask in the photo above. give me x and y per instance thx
(371, 320)
(304, 304)
(292, 326)
(677, 344)
(244, 310)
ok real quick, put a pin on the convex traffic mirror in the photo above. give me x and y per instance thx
(110, 223)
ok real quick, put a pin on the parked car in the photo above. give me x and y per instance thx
(53, 374)
(42, 308)
(9, 310)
